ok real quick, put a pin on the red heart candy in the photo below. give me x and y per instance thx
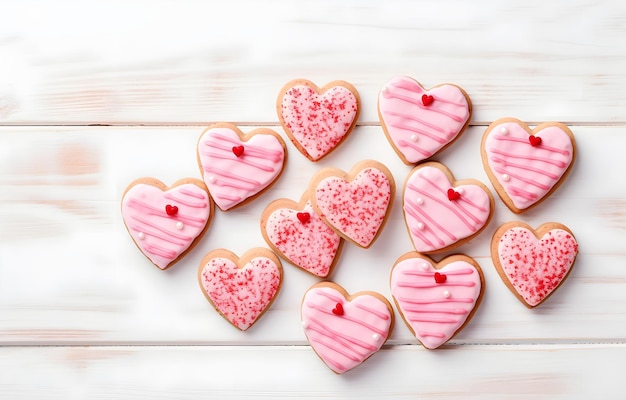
(440, 278)
(303, 217)
(171, 210)
(453, 194)
(238, 151)
(427, 100)
(534, 140)
(338, 310)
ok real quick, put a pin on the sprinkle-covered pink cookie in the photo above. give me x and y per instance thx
(356, 204)
(533, 263)
(526, 165)
(345, 330)
(420, 123)
(296, 233)
(317, 119)
(236, 167)
(240, 289)
(166, 222)
(436, 300)
(442, 213)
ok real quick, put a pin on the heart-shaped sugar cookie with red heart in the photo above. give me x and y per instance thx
(296, 233)
(166, 222)
(442, 213)
(240, 289)
(533, 263)
(526, 165)
(436, 300)
(355, 204)
(420, 123)
(236, 167)
(345, 330)
(317, 120)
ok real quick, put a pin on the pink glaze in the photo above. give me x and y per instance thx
(418, 131)
(162, 237)
(311, 245)
(318, 122)
(536, 267)
(435, 311)
(435, 222)
(241, 294)
(344, 341)
(357, 208)
(231, 179)
(526, 172)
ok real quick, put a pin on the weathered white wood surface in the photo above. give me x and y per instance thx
(84, 315)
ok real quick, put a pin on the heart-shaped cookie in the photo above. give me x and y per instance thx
(419, 123)
(299, 235)
(317, 119)
(526, 165)
(533, 263)
(436, 300)
(240, 289)
(166, 222)
(345, 330)
(356, 204)
(236, 167)
(442, 213)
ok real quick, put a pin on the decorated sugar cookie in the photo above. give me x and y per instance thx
(317, 120)
(533, 263)
(526, 165)
(238, 167)
(436, 300)
(240, 289)
(418, 122)
(345, 330)
(166, 222)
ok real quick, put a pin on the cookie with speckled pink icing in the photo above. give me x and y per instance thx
(297, 234)
(527, 165)
(166, 222)
(419, 122)
(355, 204)
(436, 299)
(345, 330)
(238, 167)
(241, 288)
(533, 263)
(317, 120)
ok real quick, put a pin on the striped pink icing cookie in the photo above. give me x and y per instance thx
(419, 123)
(299, 235)
(436, 300)
(525, 166)
(533, 262)
(442, 213)
(317, 120)
(355, 204)
(236, 167)
(240, 289)
(345, 330)
(166, 222)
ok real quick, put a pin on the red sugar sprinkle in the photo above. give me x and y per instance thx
(238, 151)
(338, 310)
(171, 210)
(427, 99)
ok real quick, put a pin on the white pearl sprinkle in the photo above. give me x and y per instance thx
(424, 266)
(420, 226)
(305, 324)
(505, 177)
(212, 179)
(414, 138)
(385, 90)
(503, 130)
(446, 294)
(420, 201)
(460, 190)
(180, 225)
(376, 337)
(141, 235)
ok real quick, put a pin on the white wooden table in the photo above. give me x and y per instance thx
(93, 96)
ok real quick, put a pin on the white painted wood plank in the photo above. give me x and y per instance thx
(186, 61)
(70, 274)
(185, 373)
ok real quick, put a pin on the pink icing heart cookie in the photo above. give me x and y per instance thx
(436, 300)
(345, 330)
(533, 263)
(420, 123)
(355, 204)
(240, 289)
(296, 233)
(442, 213)
(317, 120)
(525, 166)
(166, 222)
(236, 167)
